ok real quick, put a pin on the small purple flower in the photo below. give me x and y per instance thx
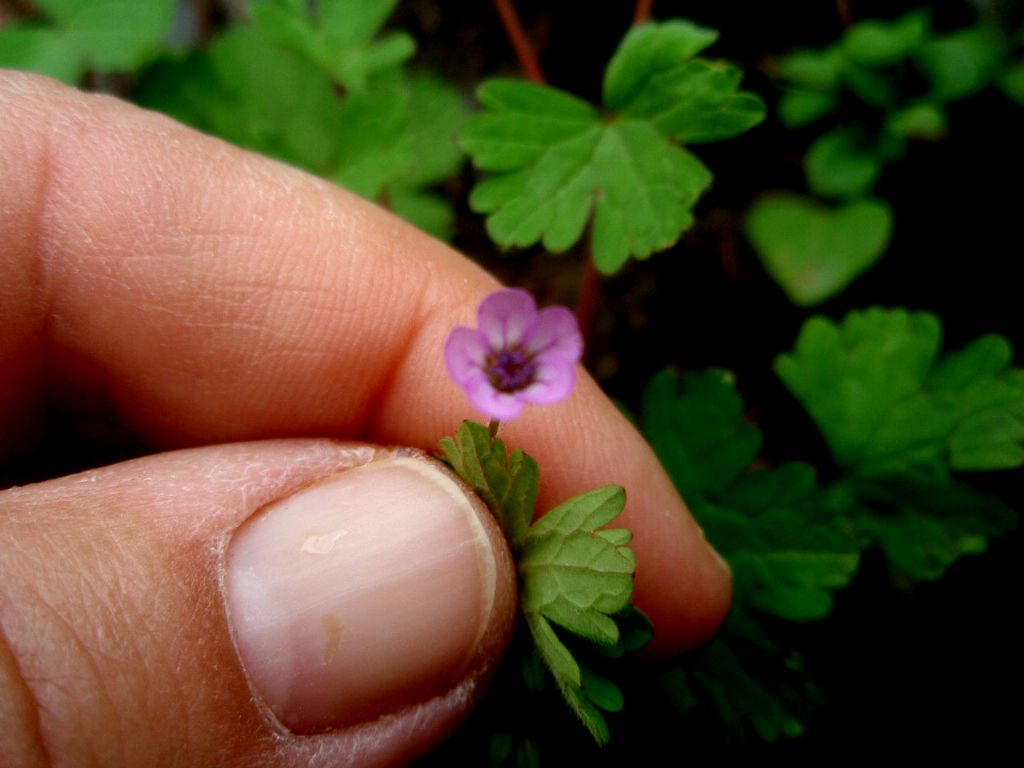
(517, 355)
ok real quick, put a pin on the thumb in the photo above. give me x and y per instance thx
(280, 603)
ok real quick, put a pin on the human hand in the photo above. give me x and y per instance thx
(199, 296)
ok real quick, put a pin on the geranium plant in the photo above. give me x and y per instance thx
(620, 160)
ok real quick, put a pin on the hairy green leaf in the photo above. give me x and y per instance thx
(574, 573)
(573, 576)
(507, 484)
(888, 406)
(814, 252)
(559, 164)
(578, 576)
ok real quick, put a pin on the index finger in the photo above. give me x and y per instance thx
(199, 293)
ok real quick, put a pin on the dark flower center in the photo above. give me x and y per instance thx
(511, 369)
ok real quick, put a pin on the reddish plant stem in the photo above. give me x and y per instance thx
(590, 280)
(527, 57)
(642, 11)
(590, 288)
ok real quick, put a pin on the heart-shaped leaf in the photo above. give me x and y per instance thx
(813, 251)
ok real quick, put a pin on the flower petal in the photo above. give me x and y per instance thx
(491, 402)
(554, 381)
(504, 317)
(464, 354)
(556, 334)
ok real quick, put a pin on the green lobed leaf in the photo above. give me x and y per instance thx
(373, 142)
(507, 484)
(838, 164)
(337, 35)
(888, 406)
(925, 525)
(774, 526)
(750, 682)
(798, 108)
(878, 43)
(391, 145)
(574, 573)
(559, 164)
(961, 63)
(41, 49)
(1011, 82)
(573, 576)
(813, 252)
(698, 101)
(102, 35)
(566, 163)
(254, 94)
(811, 69)
(783, 539)
(875, 88)
(922, 120)
(695, 424)
(648, 51)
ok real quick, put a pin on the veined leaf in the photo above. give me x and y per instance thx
(924, 525)
(751, 682)
(574, 573)
(338, 37)
(648, 51)
(389, 145)
(507, 484)
(887, 405)
(774, 526)
(559, 164)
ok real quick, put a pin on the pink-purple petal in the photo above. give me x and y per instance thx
(553, 383)
(464, 354)
(504, 317)
(556, 334)
(492, 403)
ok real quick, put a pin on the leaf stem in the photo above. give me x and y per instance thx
(642, 11)
(492, 428)
(527, 57)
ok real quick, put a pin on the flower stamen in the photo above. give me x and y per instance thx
(511, 369)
